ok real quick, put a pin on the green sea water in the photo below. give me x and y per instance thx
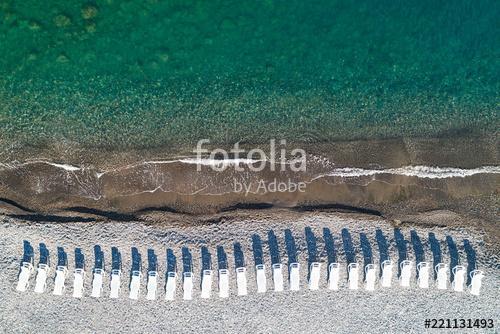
(152, 73)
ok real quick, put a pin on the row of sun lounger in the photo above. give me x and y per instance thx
(424, 276)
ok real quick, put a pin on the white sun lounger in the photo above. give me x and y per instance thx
(370, 277)
(295, 276)
(458, 278)
(241, 281)
(187, 285)
(97, 283)
(114, 285)
(442, 276)
(152, 285)
(278, 276)
(423, 269)
(135, 285)
(61, 272)
(78, 278)
(353, 276)
(386, 278)
(206, 284)
(314, 275)
(41, 277)
(261, 278)
(24, 276)
(405, 277)
(475, 284)
(223, 283)
(170, 286)
(333, 276)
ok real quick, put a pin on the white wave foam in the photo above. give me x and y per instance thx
(416, 171)
(67, 167)
(347, 172)
(14, 165)
(216, 162)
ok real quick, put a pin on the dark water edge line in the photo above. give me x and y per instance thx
(113, 215)
(248, 206)
(340, 208)
(34, 216)
(15, 204)
(160, 209)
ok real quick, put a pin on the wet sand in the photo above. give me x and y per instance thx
(395, 310)
(64, 180)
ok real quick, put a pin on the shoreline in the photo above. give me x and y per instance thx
(40, 189)
(460, 151)
(378, 175)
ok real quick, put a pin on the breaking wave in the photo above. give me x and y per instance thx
(430, 172)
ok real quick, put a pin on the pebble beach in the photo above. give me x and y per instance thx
(394, 310)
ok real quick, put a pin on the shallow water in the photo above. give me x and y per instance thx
(142, 74)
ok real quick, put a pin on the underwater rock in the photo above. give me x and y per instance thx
(89, 12)
(62, 21)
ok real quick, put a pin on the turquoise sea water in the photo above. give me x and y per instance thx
(139, 74)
